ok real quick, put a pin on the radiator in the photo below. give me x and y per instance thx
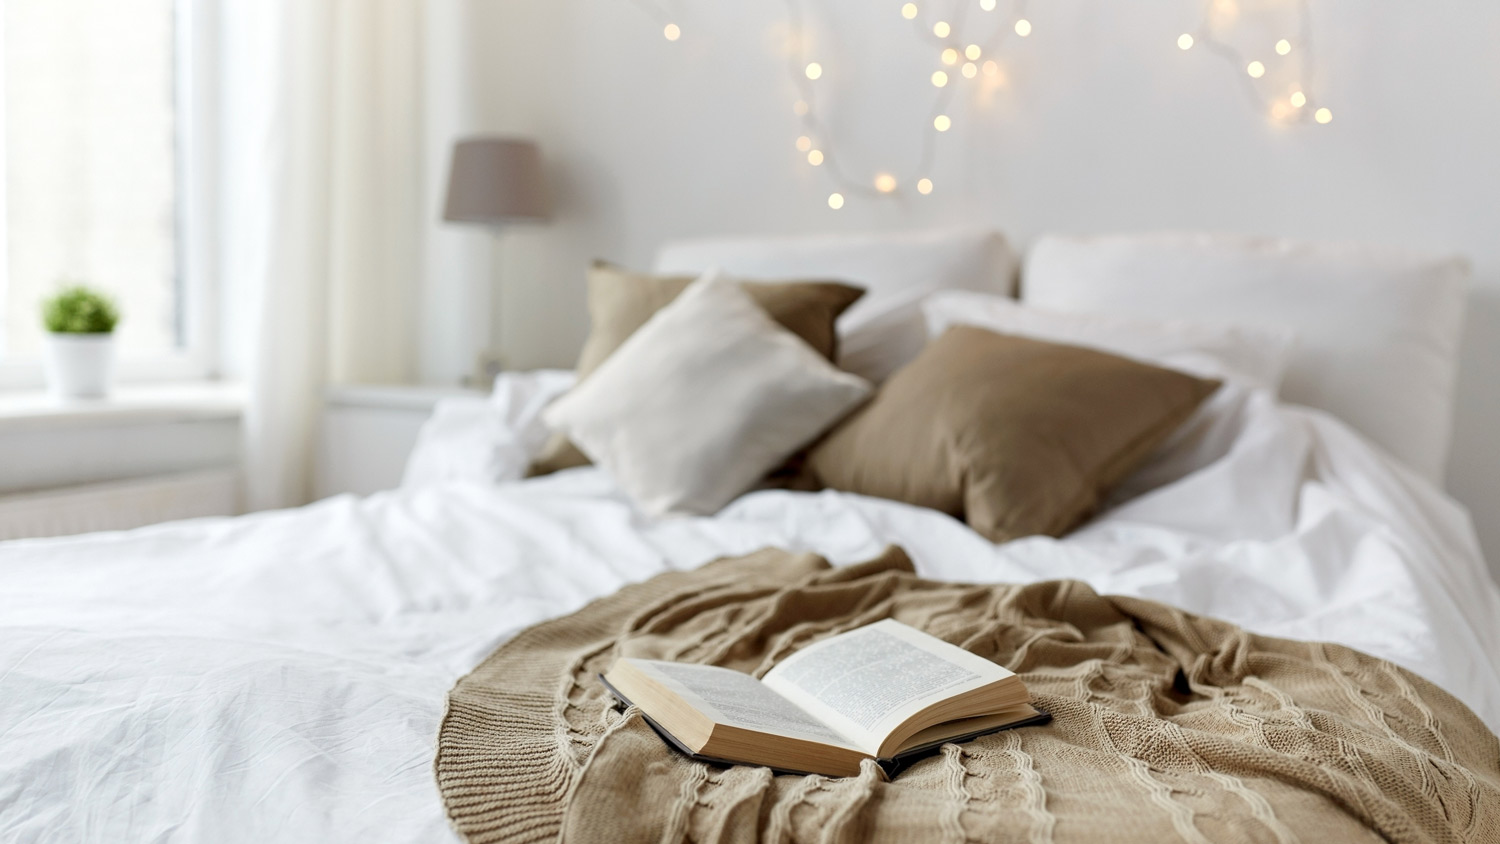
(119, 505)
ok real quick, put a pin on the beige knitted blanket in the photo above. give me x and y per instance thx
(1167, 726)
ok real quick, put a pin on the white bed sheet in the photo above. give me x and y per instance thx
(280, 677)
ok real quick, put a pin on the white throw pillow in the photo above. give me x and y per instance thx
(1254, 356)
(703, 401)
(486, 440)
(883, 331)
(1377, 329)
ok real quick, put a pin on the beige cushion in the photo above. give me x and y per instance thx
(1253, 355)
(705, 399)
(1015, 436)
(621, 301)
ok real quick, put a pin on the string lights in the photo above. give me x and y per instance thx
(1275, 84)
(1274, 78)
(658, 11)
(958, 61)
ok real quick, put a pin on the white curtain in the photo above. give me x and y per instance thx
(326, 207)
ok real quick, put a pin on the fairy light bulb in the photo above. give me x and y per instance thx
(1256, 70)
(814, 70)
(815, 157)
(672, 32)
(924, 186)
(909, 11)
(1283, 47)
(971, 70)
(1297, 99)
(972, 52)
(804, 144)
(1323, 115)
(950, 56)
(942, 123)
(835, 201)
(941, 29)
(987, 5)
(939, 79)
(991, 68)
(885, 183)
(1184, 41)
(1023, 27)
(800, 108)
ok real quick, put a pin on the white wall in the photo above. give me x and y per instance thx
(1104, 126)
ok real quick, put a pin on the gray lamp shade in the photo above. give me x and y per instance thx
(496, 181)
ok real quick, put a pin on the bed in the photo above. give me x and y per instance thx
(281, 676)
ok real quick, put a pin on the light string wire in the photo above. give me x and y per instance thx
(1287, 111)
(660, 11)
(817, 139)
(822, 150)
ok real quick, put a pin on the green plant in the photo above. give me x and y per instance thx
(80, 310)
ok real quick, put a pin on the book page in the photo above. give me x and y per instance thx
(866, 682)
(731, 697)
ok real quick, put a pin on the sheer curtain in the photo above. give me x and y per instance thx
(326, 158)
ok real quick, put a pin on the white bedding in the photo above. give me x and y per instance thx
(280, 677)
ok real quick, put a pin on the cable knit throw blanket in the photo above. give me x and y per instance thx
(1167, 727)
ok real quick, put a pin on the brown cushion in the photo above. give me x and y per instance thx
(1013, 435)
(621, 301)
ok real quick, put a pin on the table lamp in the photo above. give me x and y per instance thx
(496, 183)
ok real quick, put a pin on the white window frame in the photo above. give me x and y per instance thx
(199, 357)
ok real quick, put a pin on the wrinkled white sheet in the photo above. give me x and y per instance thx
(280, 677)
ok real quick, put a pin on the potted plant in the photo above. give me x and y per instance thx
(80, 323)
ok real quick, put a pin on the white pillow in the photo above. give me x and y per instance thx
(883, 331)
(486, 440)
(703, 401)
(1253, 356)
(1377, 329)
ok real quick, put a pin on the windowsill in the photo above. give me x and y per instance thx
(31, 410)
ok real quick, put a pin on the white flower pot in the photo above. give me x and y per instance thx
(80, 366)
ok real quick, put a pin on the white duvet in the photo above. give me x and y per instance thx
(280, 677)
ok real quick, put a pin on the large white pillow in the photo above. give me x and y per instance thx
(1257, 357)
(883, 331)
(1377, 329)
(703, 401)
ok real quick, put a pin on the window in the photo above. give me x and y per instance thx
(91, 179)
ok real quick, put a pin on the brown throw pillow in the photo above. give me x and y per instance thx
(1013, 435)
(621, 301)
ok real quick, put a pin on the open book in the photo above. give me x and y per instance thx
(884, 691)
